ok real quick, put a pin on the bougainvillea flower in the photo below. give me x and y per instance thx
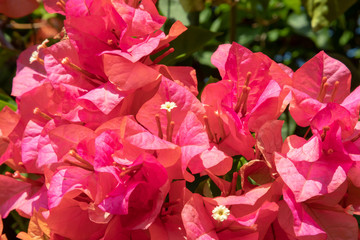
(25, 195)
(315, 221)
(140, 194)
(334, 113)
(70, 179)
(137, 188)
(223, 126)
(119, 25)
(245, 99)
(296, 221)
(137, 140)
(46, 143)
(130, 191)
(34, 72)
(180, 124)
(248, 215)
(63, 66)
(169, 92)
(66, 82)
(256, 95)
(118, 29)
(314, 167)
(320, 80)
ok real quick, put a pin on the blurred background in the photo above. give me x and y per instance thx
(288, 31)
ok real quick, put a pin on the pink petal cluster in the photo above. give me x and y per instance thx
(106, 142)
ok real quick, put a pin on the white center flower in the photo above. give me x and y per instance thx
(34, 57)
(168, 106)
(220, 213)
(43, 44)
(350, 209)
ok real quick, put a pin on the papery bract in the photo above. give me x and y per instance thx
(320, 80)
(312, 168)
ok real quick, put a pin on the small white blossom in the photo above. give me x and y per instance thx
(168, 106)
(34, 57)
(43, 44)
(220, 213)
(350, 209)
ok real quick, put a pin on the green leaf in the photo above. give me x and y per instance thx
(300, 24)
(187, 43)
(205, 15)
(248, 35)
(273, 35)
(323, 12)
(321, 38)
(346, 37)
(173, 9)
(6, 100)
(294, 5)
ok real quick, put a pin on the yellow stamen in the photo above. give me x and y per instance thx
(169, 137)
(130, 170)
(75, 155)
(168, 106)
(61, 5)
(158, 123)
(333, 94)
(37, 111)
(323, 88)
(95, 78)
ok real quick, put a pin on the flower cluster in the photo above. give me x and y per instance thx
(106, 140)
